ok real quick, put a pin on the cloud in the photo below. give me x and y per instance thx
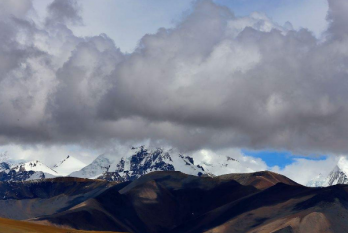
(213, 81)
(64, 11)
(223, 163)
(305, 170)
(47, 155)
(17, 9)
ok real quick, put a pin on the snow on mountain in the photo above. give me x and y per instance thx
(140, 160)
(143, 161)
(25, 171)
(32, 170)
(137, 162)
(318, 181)
(36, 166)
(221, 165)
(68, 165)
(339, 175)
(100, 165)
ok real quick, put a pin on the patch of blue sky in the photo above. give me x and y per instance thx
(310, 14)
(280, 158)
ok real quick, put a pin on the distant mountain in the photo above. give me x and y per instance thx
(140, 161)
(11, 170)
(35, 166)
(32, 170)
(68, 165)
(339, 175)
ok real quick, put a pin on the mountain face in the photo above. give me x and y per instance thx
(339, 175)
(26, 171)
(140, 161)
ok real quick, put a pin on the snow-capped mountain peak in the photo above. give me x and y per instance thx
(338, 175)
(25, 171)
(100, 165)
(34, 166)
(68, 165)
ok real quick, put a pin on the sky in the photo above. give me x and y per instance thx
(260, 79)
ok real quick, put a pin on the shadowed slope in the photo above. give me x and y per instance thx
(23, 200)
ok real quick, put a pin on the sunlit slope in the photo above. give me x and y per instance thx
(13, 226)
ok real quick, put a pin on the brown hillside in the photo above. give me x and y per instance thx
(13, 226)
(260, 180)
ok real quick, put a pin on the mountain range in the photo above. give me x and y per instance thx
(138, 161)
(133, 164)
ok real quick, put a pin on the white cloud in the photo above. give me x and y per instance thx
(304, 170)
(213, 81)
(48, 155)
(223, 164)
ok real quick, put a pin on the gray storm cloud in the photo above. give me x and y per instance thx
(213, 81)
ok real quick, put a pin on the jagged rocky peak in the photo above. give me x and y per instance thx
(338, 175)
(68, 165)
(61, 162)
(142, 160)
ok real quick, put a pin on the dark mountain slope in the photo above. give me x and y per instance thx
(23, 200)
(282, 207)
(156, 202)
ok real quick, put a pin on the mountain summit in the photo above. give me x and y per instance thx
(68, 165)
(338, 175)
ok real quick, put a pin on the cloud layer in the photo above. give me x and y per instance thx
(213, 81)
